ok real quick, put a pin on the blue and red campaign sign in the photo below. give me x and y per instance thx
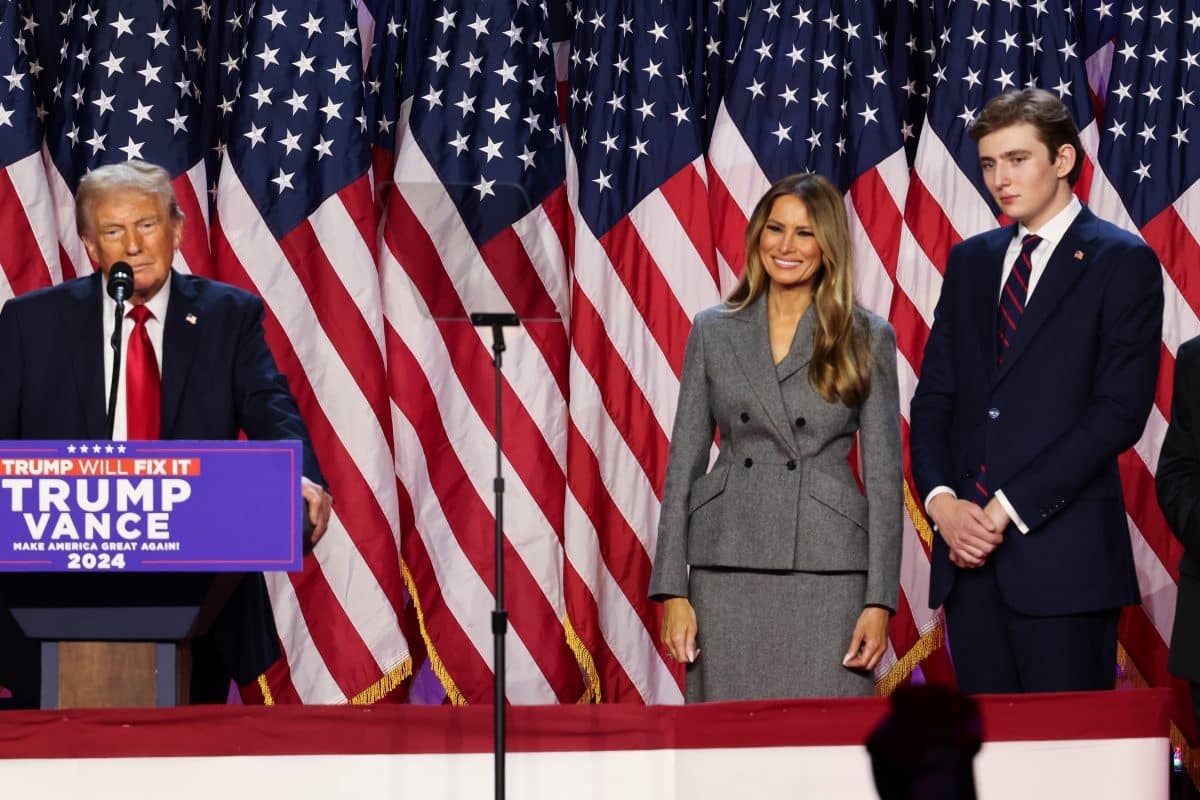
(177, 506)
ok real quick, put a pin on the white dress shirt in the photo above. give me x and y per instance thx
(1052, 233)
(154, 327)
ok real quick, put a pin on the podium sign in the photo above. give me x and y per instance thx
(177, 506)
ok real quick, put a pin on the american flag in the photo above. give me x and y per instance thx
(257, 110)
(599, 187)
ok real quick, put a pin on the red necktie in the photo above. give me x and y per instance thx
(143, 386)
(1014, 295)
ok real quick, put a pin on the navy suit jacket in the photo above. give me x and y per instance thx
(1074, 391)
(218, 378)
(218, 375)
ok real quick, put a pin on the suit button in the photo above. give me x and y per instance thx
(749, 462)
(800, 422)
(969, 474)
(994, 413)
(791, 464)
(745, 417)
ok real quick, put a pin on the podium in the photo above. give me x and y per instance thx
(116, 640)
(117, 555)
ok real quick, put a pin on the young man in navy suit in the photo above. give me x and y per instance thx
(1039, 371)
(217, 378)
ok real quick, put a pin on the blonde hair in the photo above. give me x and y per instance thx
(138, 175)
(841, 363)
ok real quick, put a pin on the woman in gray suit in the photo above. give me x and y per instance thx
(793, 572)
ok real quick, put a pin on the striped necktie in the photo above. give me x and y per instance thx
(1013, 296)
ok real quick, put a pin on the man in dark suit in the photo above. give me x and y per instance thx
(1040, 369)
(202, 345)
(1178, 483)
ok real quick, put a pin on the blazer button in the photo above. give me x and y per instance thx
(994, 413)
(969, 474)
(749, 462)
(800, 422)
(745, 417)
(791, 464)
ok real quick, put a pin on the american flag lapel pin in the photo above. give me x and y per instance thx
(1079, 255)
(191, 319)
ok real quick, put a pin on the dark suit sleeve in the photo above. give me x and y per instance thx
(265, 407)
(11, 356)
(691, 440)
(1178, 477)
(932, 408)
(1126, 375)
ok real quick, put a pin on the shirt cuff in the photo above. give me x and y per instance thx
(1012, 512)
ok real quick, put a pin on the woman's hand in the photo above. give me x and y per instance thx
(679, 629)
(869, 641)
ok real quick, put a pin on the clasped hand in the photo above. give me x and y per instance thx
(971, 532)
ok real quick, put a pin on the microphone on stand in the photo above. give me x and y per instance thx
(120, 288)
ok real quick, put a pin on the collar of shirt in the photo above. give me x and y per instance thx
(1052, 233)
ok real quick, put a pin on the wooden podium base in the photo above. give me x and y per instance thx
(115, 674)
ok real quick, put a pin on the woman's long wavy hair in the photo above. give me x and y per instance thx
(841, 363)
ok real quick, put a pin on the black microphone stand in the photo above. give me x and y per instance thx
(498, 322)
(115, 343)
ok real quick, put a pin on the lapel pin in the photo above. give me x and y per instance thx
(1079, 255)
(191, 318)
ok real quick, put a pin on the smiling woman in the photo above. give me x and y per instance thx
(773, 562)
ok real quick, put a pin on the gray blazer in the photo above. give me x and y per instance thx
(781, 494)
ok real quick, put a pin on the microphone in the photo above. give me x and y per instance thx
(120, 281)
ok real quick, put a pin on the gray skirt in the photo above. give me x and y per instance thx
(765, 635)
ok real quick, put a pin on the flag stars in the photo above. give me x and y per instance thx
(440, 58)
(609, 143)
(646, 109)
(826, 62)
(1063, 88)
(506, 72)
(323, 147)
(1147, 133)
(782, 133)
(268, 56)
(756, 88)
(303, 64)
(499, 111)
(638, 147)
(764, 51)
(467, 104)
(178, 122)
(652, 70)
(283, 181)
(6, 115)
(480, 26)
(820, 99)
(1122, 91)
(262, 96)
(659, 32)
(1152, 94)
(349, 35)
(433, 97)
(97, 142)
(1143, 171)
(14, 79)
(1164, 16)
(484, 187)
(446, 20)
(1134, 13)
(132, 149)
(868, 115)
(1158, 56)
(290, 142)
(298, 102)
(967, 116)
(603, 181)
(1193, 22)
(1117, 129)
(104, 102)
(141, 113)
(877, 77)
(1005, 79)
(680, 114)
(788, 96)
(491, 149)
(617, 102)
(459, 143)
(312, 25)
(814, 139)
(340, 72)
(472, 65)
(276, 17)
(121, 25)
(796, 55)
(1180, 135)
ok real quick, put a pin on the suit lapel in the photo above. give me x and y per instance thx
(1067, 265)
(751, 342)
(801, 350)
(181, 332)
(86, 325)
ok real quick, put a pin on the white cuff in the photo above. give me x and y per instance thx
(935, 491)
(1012, 512)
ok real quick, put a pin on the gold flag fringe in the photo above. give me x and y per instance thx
(435, 661)
(917, 515)
(904, 667)
(384, 686)
(591, 694)
(1189, 756)
(265, 688)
